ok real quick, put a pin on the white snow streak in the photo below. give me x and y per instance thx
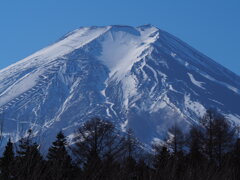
(195, 82)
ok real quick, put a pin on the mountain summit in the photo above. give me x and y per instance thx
(141, 78)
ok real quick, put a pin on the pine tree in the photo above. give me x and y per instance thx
(29, 162)
(207, 122)
(223, 137)
(142, 170)
(131, 144)
(235, 159)
(195, 143)
(195, 158)
(162, 161)
(59, 162)
(7, 161)
(129, 168)
(176, 143)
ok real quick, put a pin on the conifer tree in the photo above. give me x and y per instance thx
(234, 159)
(195, 144)
(6, 163)
(195, 158)
(143, 171)
(129, 168)
(131, 144)
(223, 137)
(207, 122)
(29, 162)
(161, 158)
(161, 161)
(59, 162)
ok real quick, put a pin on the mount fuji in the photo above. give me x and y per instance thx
(141, 78)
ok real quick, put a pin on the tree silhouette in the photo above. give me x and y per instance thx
(29, 162)
(219, 135)
(7, 161)
(178, 139)
(97, 141)
(59, 162)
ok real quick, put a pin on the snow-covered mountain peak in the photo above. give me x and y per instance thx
(138, 77)
(83, 36)
(128, 45)
(118, 47)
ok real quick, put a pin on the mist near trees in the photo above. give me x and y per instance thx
(99, 150)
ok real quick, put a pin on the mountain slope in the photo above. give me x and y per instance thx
(141, 78)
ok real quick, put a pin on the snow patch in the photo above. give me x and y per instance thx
(173, 54)
(195, 82)
(158, 141)
(129, 88)
(126, 49)
(194, 106)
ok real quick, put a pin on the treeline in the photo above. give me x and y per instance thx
(99, 151)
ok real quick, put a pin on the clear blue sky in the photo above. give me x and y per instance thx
(211, 26)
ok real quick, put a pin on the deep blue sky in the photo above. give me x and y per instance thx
(211, 26)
